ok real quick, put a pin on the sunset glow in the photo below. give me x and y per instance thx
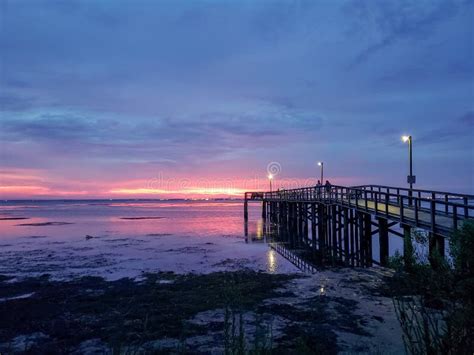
(184, 192)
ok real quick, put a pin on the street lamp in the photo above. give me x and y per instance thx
(270, 178)
(411, 179)
(321, 164)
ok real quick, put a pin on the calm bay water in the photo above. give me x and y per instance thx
(197, 218)
(126, 238)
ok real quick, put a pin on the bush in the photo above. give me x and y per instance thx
(435, 305)
(462, 247)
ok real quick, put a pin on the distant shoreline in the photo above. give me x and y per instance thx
(124, 200)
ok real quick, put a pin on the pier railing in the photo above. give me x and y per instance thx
(427, 194)
(436, 211)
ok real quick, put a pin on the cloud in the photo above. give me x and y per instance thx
(159, 140)
(15, 103)
(467, 119)
(398, 21)
(455, 130)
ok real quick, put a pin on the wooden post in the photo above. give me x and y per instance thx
(353, 240)
(275, 212)
(357, 226)
(362, 247)
(293, 224)
(321, 229)
(269, 211)
(279, 214)
(368, 239)
(313, 226)
(436, 245)
(407, 246)
(383, 241)
(246, 217)
(290, 222)
(294, 218)
(246, 209)
(300, 223)
(339, 232)
(305, 229)
(346, 235)
(334, 231)
(327, 229)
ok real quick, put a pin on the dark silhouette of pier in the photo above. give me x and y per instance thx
(340, 223)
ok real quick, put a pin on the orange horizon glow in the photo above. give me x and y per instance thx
(192, 191)
(30, 184)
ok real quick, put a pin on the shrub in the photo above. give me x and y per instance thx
(435, 305)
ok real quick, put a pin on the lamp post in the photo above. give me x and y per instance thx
(270, 178)
(411, 179)
(321, 164)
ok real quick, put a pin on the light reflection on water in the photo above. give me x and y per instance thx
(259, 233)
(323, 287)
(272, 261)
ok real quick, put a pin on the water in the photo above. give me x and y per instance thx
(128, 238)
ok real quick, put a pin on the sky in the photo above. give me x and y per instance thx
(167, 98)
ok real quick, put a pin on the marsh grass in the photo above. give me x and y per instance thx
(434, 297)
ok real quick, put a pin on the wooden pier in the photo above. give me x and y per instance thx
(340, 223)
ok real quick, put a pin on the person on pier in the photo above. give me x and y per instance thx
(318, 188)
(327, 187)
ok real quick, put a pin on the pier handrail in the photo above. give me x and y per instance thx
(433, 194)
(423, 208)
